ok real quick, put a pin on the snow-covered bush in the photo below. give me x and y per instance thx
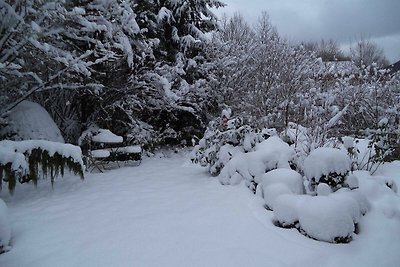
(28, 160)
(270, 154)
(327, 165)
(289, 177)
(278, 182)
(330, 217)
(323, 218)
(5, 228)
(222, 141)
(272, 192)
(378, 146)
(304, 140)
(287, 208)
(30, 121)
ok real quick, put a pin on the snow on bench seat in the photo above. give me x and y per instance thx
(100, 153)
(130, 149)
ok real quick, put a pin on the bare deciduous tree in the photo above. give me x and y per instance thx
(366, 52)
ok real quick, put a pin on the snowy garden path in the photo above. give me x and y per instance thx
(167, 212)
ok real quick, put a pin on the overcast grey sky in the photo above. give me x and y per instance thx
(342, 20)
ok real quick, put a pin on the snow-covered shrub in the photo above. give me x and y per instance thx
(29, 120)
(298, 137)
(26, 161)
(323, 218)
(272, 192)
(330, 217)
(378, 146)
(278, 182)
(287, 208)
(5, 228)
(327, 165)
(270, 154)
(323, 190)
(304, 140)
(289, 177)
(222, 141)
(359, 200)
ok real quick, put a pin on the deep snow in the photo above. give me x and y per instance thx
(168, 212)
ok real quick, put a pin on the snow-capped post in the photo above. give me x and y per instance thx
(29, 160)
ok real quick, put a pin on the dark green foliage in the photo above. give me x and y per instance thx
(333, 179)
(40, 165)
(9, 176)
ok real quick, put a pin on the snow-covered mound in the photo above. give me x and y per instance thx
(268, 155)
(287, 208)
(290, 178)
(273, 191)
(323, 218)
(361, 200)
(369, 185)
(5, 228)
(327, 217)
(323, 190)
(326, 160)
(13, 152)
(30, 121)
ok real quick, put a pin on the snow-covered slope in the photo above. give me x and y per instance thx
(167, 212)
(30, 120)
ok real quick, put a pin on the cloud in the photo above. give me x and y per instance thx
(342, 20)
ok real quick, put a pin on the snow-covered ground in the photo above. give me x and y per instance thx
(168, 212)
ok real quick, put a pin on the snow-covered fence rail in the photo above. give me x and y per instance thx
(29, 160)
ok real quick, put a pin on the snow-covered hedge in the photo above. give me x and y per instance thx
(5, 228)
(28, 160)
